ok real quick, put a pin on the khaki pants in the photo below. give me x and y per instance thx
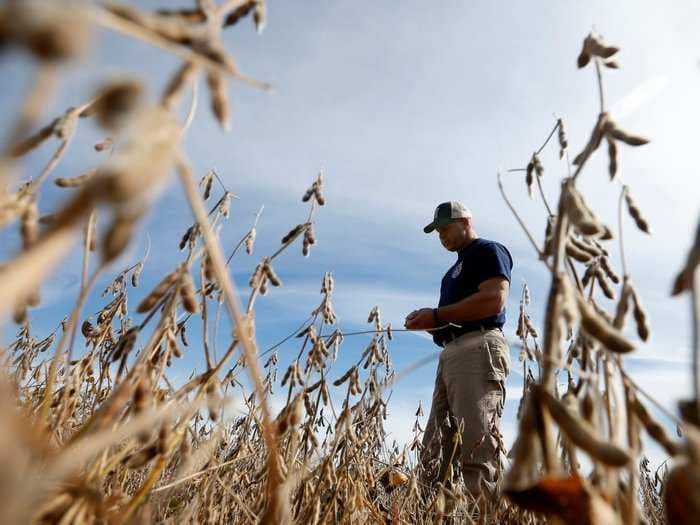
(470, 386)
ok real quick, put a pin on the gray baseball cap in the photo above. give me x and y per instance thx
(446, 213)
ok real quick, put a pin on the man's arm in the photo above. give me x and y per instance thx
(488, 301)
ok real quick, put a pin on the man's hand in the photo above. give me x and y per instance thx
(420, 319)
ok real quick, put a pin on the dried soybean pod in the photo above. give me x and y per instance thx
(599, 328)
(104, 144)
(609, 272)
(548, 237)
(250, 241)
(561, 135)
(293, 233)
(271, 275)
(148, 302)
(622, 306)
(142, 457)
(187, 293)
(582, 244)
(117, 236)
(74, 182)
(640, 316)
(582, 434)
(116, 100)
(612, 157)
(623, 136)
(176, 85)
(207, 181)
(603, 282)
(345, 377)
(684, 279)
(594, 140)
(635, 213)
(655, 430)
(573, 251)
(219, 98)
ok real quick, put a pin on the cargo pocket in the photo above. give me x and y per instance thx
(497, 366)
(498, 357)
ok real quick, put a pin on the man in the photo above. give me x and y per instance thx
(471, 374)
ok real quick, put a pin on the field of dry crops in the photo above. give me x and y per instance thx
(95, 430)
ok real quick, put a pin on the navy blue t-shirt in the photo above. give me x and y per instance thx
(480, 260)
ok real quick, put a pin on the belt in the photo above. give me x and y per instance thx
(454, 333)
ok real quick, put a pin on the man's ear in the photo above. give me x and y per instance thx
(467, 223)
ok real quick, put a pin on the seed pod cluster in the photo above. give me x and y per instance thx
(293, 374)
(315, 191)
(581, 216)
(375, 316)
(594, 46)
(189, 237)
(290, 416)
(136, 274)
(224, 207)
(335, 340)
(207, 182)
(319, 351)
(262, 274)
(533, 167)
(326, 307)
(250, 241)
(309, 240)
(561, 135)
(124, 345)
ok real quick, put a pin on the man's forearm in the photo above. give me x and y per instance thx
(478, 306)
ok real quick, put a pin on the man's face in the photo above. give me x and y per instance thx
(453, 235)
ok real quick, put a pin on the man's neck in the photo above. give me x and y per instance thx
(467, 242)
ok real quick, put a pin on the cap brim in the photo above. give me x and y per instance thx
(437, 223)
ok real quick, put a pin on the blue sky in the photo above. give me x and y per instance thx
(405, 105)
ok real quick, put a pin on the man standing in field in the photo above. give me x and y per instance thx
(471, 373)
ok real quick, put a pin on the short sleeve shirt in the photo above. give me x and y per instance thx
(477, 262)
